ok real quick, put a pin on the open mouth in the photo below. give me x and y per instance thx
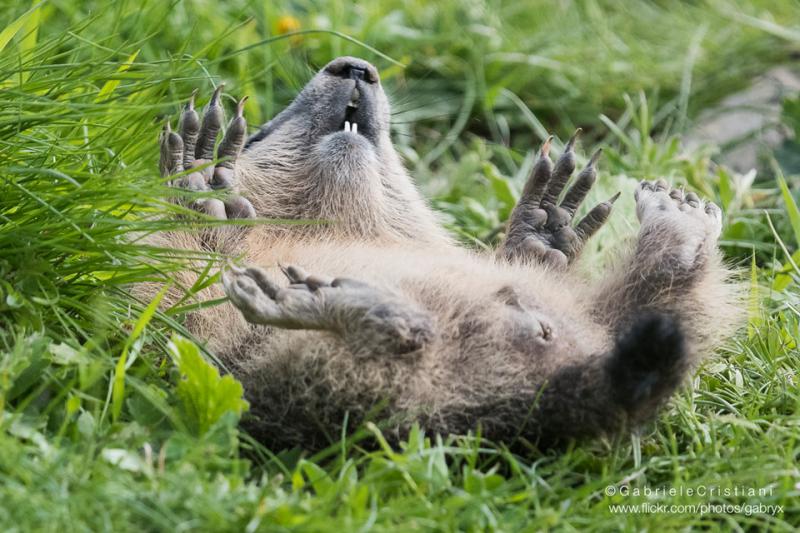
(350, 123)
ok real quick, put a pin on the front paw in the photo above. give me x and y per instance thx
(540, 228)
(193, 148)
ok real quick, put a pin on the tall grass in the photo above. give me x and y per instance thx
(99, 423)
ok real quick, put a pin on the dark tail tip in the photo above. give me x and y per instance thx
(649, 362)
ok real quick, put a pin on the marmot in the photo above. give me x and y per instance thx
(385, 317)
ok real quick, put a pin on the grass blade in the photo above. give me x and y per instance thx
(118, 383)
(11, 30)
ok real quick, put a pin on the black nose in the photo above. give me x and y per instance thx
(355, 73)
(352, 68)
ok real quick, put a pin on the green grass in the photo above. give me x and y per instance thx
(105, 424)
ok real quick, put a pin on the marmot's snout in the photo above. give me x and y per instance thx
(352, 68)
(355, 90)
(345, 97)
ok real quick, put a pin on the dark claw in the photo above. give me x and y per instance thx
(214, 101)
(234, 138)
(572, 140)
(595, 219)
(212, 122)
(545, 150)
(171, 152)
(285, 271)
(240, 106)
(315, 282)
(595, 157)
(564, 168)
(539, 177)
(349, 283)
(189, 128)
(583, 183)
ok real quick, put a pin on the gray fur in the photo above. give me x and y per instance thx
(398, 322)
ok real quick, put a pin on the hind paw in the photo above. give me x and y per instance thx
(193, 148)
(261, 301)
(540, 228)
(678, 219)
(656, 201)
(370, 319)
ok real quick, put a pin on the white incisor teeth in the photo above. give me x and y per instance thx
(346, 126)
(354, 128)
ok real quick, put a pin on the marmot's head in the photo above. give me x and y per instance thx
(341, 118)
(329, 156)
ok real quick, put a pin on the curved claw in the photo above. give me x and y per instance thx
(171, 160)
(240, 106)
(561, 172)
(215, 96)
(595, 219)
(233, 141)
(545, 149)
(572, 140)
(189, 128)
(190, 104)
(595, 157)
(212, 122)
(583, 184)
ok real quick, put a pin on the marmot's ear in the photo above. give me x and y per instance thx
(648, 363)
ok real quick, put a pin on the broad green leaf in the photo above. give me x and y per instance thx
(64, 354)
(726, 193)
(782, 279)
(318, 478)
(205, 396)
(502, 189)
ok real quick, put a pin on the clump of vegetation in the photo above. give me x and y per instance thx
(113, 417)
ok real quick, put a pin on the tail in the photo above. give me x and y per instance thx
(648, 363)
(618, 389)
